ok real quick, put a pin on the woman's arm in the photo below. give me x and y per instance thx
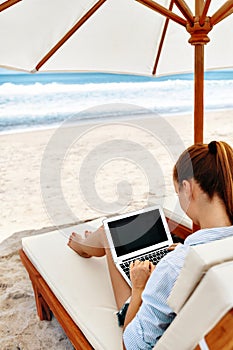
(154, 314)
(135, 303)
(140, 271)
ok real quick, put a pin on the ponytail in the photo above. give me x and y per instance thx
(224, 159)
(211, 166)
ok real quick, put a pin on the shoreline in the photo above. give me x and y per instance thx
(30, 129)
(22, 154)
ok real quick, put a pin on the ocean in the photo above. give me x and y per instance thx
(31, 101)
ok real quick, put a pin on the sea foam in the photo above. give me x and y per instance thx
(37, 103)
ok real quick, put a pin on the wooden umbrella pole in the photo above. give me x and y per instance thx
(198, 100)
(198, 81)
(199, 38)
(199, 93)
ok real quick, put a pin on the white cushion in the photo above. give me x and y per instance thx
(81, 285)
(199, 259)
(84, 288)
(211, 300)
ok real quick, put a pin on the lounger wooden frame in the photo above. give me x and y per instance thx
(47, 303)
(220, 338)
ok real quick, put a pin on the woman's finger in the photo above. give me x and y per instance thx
(146, 263)
(172, 247)
(152, 266)
(137, 262)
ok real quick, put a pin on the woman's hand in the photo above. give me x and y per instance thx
(172, 247)
(140, 271)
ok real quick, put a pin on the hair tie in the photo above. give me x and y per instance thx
(213, 147)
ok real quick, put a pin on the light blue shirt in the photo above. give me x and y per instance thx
(154, 315)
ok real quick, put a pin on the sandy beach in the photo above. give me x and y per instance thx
(62, 176)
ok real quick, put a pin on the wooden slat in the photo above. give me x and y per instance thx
(204, 12)
(185, 10)
(69, 33)
(220, 337)
(163, 11)
(178, 229)
(222, 12)
(5, 5)
(159, 51)
(199, 5)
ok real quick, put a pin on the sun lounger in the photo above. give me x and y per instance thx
(78, 291)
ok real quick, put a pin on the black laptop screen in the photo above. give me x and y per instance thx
(137, 232)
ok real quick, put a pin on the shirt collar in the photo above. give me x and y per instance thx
(209, 235)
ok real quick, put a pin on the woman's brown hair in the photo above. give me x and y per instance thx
(211, 166)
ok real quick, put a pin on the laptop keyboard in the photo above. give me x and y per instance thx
(154, 257)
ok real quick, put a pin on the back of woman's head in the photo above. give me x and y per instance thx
(211, 166)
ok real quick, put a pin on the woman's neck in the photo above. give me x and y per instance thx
(213, 214)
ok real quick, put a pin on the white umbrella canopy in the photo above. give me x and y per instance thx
(121, 36)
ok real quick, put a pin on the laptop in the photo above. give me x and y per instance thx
(138, 235)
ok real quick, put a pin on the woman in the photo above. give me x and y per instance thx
(203, 180)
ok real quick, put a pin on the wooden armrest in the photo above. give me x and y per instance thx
(178, 229)
(220, 337)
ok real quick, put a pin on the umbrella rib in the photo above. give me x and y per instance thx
(162, 40)
(204, 12)
(163, 11)
(199, 5)
(5, 5)
(185, 10)
(224, 11)
(61, 42)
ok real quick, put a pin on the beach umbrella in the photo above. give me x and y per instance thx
(119, 36)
